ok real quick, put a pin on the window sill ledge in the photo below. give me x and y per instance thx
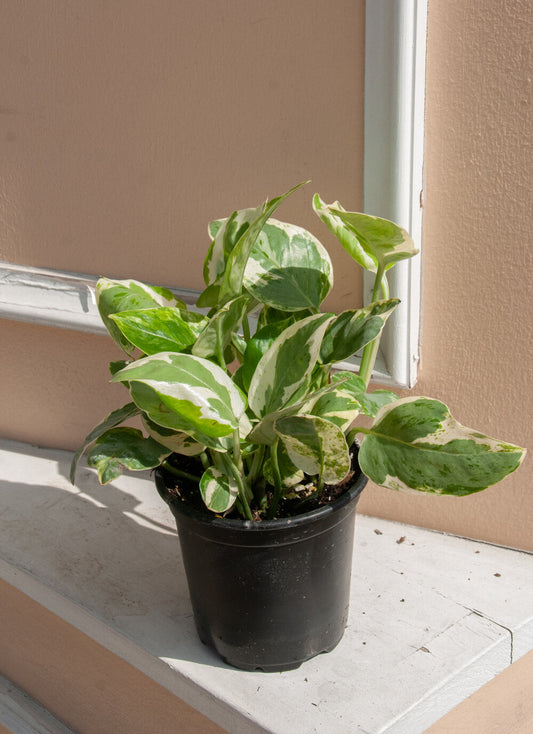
(430, 621)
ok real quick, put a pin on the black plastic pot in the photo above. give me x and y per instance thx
(268, 595)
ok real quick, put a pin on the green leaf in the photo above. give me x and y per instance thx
(124, 448)
(227, 257)
(159, 329)
(289, 473)
(288, 268)
(287, 365)
(176, 441)
(416, 445)
(186, 393)
(352, 330)
(220, 328)
(384, 241)
(347, 239)
(370, 403)
(115, 296)
(237, 260)
(117, 365)
(338, 407)
(257, 346)
(218, 491)
(316, 446)
(113, 419)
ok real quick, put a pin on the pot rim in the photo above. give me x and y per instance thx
(264, 526)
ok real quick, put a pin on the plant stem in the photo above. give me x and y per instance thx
(179, 472)
(370, 352)
(234, 471)
(277, 481)
(256, 466)
(246, 328)
(220, 348)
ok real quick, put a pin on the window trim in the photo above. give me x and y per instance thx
(393, 168)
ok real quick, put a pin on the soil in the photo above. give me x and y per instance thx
(184, 490)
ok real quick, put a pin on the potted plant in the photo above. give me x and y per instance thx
(253, 432)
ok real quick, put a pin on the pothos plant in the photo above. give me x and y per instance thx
(263, 409)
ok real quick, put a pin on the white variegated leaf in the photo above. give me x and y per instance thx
(116, 296)
(124, 448)
(176, 441)
(347, 239)
(218, 491)
(337, 406)
(415, 444)
(194, 395)
(384, 241)
(287, 365)
(316, 446)
(288, 268)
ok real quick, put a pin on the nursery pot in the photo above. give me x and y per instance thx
(268, 595)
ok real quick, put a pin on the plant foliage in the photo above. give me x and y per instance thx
(263, 409)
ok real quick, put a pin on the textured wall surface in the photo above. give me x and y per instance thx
(478, 290)
(99, 96)
(126, 127)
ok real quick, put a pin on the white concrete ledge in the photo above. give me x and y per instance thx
(433, 617)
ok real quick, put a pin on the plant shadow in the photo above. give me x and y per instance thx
(112, 550)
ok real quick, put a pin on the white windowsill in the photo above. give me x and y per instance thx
(430, 622)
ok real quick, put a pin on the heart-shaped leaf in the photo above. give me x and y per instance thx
(288, 268)
(160, 329)
(384, 241)
(185, 392)
(352, 330)
(316, 446)
(115, 296)
(113, 419)
(347, 239)
(416, 445)
(218, 490)
(287, 365)
(124, 448)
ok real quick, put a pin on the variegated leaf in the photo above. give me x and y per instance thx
(218, 491)
(176, 441)
(232, 280)
(384, 241)
(352, 330)
(149, 401)
(338, 407)
(195, 395)
(160, 329)
(270, 316)
(316, 446)
(113, 419)
(115, 296)
(289, 473)
(416, 445)
(288, 268)
(124, 448)
(263, 432)
(347, 239)
(370, 403)
(219, 330)
(257, 346)
(287, 365)
(233, 242)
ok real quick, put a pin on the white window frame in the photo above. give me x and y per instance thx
(395, 38)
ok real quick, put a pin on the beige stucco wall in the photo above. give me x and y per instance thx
(477, 345)
(126, 127)
(95, 165)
